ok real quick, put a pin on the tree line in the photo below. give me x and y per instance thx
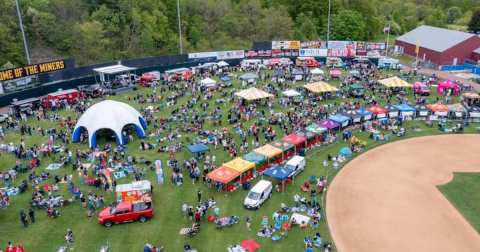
(93, 31)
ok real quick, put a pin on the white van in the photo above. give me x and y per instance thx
(258, 194)
(296, 164)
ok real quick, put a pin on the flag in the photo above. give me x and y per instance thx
(417, 47)
(386, 29)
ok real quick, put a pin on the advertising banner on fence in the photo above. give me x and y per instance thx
(310, 52)
(313, 44)
(201, 55)
(341, 49)
(286, 44)
(237, 54)
(340, 44)
(19, 72)
(284, 53)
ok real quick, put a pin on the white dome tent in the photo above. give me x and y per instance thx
(110, 115)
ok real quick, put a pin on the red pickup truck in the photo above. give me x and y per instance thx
(125, 212)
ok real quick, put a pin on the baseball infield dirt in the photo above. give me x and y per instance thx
(387, 199)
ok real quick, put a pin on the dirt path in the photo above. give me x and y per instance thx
(387, 200)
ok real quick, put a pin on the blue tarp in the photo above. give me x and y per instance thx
(339, 118)
(197, 148)
(345, 151)
(278, 172)
(405, 108)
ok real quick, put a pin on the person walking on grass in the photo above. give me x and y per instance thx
(248, 223)
(23, 218)
(31, 214)
(199, 195)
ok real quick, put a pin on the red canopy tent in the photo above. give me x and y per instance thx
(224, 175)
(380, 112)
(250, 245)
(298, 141)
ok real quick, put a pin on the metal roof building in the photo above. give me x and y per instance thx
(438, 45)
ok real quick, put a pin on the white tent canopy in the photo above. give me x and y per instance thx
(222, 64)
(208, 82)
(317, 71)
(290, 93)
(110, 70)
(253, 94)
(110, 115)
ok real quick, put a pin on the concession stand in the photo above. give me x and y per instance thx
(245, 168)
(299, 142)
(274, 155)
(224, 176)
(260, 161)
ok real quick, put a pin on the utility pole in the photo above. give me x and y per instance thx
(388, 37)
(328, 21)
(179, 27)
(20, 22)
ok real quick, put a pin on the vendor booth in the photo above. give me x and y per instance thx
(356, 90)
(311, 137)
(422, 111)
(329, 124)
(395, 82)
(260, 160)
(288, 149)
(438, 109)
(320, 87)
(274, 155)
(340, 119)
(471, 99)
(448, 87)
(252, 94)
(393, 111)
(421, 88)
(317, 130)
(317, 71)
(457, 111)
(474, 113)
(208, 82)
(197, 150)
(353, 116)
(245, 168)
(280, 173)
(299, 142)
(290, 93)
(132, 192)
(224, 176)
(378, 111)
(365, 114)
(406, 111)
(249, 77)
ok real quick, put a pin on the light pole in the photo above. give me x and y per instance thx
(388, 37)
(179, 27)
(20, 22)
(328, 21)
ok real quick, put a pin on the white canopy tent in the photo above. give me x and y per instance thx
(112, 70)
(208, 82)
(290, 93)
(222, 64)
(317, 71)
(110, 115)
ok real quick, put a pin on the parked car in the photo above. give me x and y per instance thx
(296, 164)
(258, 194)
(125, 212)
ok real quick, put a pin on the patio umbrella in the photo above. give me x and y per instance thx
(250, 245)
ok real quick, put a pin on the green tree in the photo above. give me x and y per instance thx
(453, 13)
(474, 24)
(305, 28)
(348, 25)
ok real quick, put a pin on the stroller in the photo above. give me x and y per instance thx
(226, 221)
(195, 229)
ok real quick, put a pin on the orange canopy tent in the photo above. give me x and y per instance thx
(223, 175)
(437, 107)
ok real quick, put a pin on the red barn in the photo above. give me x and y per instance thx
(439, 46)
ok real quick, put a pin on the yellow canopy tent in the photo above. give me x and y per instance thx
(253, 93)
(395, 82)
(240, 165)
(320, 87)
(269, 151)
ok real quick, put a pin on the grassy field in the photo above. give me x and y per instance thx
(47, 234)
(462, 192)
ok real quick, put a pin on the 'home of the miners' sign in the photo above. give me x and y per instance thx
(19, 72)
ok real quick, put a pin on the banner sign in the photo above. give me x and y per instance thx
(284, 53)
(319, 52)
(19, 72)
(340, 44)
(286, 44)
(251, 54)
(361, 49)
(313, 44)
(201, 55)
(237, 54)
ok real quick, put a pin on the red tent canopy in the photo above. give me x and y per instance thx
(377, 110)
(295, 139)
(250, 245)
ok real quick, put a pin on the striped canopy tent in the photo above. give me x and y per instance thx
(273, 154)
(252, 94)
(395, 82)
(320, 87)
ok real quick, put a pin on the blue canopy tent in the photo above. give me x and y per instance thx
(341, 119)
(280, 173)
(345, 152)
(406, 110)
(366, 115)
(197, 150)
